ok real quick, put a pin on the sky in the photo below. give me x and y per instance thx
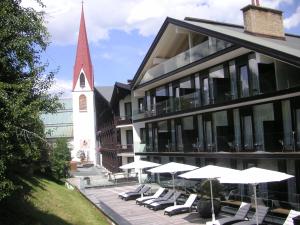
(120, 32)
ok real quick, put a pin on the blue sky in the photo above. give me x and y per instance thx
(121, 31)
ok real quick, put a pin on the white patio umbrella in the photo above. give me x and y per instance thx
(140, 165)
(255, 176)
(209, 172)
(172, 168)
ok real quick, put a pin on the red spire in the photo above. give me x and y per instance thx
(83, 58)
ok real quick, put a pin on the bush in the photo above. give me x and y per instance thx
(60, 158)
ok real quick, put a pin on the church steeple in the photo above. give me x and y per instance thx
(83, 58)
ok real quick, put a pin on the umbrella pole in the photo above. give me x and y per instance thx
(140, 176)
(256, 207)
(212, 202)
(173, 177)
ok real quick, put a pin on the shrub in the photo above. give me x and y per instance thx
(60, 158)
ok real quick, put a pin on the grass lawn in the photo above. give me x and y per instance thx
(50, 203)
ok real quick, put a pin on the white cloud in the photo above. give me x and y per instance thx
(61, 86)
(146, 16)
(293, 20)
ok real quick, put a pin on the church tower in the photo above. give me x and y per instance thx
(84, 125)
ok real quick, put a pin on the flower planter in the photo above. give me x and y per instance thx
(204, 207)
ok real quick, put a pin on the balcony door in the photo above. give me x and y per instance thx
(247, 132)
(208, 133)
(129, 137)
(128, 110)
(205, 91)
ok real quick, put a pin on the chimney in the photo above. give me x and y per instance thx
(261, 21)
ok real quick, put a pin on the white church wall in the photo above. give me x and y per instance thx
(84, 124)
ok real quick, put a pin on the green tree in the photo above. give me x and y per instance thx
(60, 158)
(24, 85)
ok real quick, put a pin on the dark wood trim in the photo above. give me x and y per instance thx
(227, 155)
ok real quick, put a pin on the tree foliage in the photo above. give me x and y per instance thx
(24, 93)
(60, 158)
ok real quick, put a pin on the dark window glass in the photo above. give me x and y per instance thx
(141, 105)
(205, 91)
(244, 81)
(143, 135)
(129, 137)
(128, 111)
(82, 80)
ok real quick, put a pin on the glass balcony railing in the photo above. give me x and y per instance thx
(198, 52)
(184, 102)
(225, 143)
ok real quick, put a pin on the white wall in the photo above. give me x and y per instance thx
(84, 127)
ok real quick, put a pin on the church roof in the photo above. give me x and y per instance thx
(83, 58)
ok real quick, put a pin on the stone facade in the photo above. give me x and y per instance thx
(263, 21)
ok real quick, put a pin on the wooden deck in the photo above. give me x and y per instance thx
(128, 213)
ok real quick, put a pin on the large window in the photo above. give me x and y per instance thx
(141, 105)
(244, 81)
(128, 110)
(205, 91)
(129, 137)
(82, 103)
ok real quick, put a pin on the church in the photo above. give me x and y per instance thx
(96, 114)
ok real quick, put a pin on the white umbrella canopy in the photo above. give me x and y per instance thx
(255, 176)
(139, 164)
(172, 168)
(209, 172)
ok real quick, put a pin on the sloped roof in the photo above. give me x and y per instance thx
(105, 91)
(83, 58)
(120, 91)
(290, 46)
(286, 50)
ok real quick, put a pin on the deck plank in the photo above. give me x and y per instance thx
(127, 212)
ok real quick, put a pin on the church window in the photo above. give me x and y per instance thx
(82, 103)
(82, 80)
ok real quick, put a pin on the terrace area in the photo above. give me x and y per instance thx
(104, 195)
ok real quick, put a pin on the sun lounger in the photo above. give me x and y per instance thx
(289, 219)
(121, 195)
(239, 216)
(168, 195)
(163, 204)
(262, 212)
(157, 194)
(175, 209)
(135, 195)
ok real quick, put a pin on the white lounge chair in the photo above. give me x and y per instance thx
(289, 219)
(175, 209)
(157, 194)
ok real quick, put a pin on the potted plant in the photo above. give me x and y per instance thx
(204, 204)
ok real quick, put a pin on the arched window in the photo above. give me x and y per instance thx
(82, 80)
(82, 103)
